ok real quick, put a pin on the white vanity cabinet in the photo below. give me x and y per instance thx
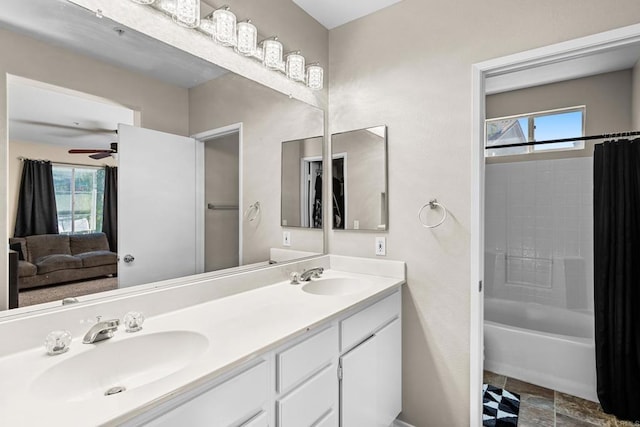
(371, 366)
(345, 373)
(307, 381)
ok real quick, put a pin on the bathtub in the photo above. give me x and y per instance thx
(547, 346)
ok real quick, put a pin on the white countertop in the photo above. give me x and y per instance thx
(238, 328)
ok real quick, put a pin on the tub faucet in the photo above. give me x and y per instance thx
(311, 273)
(102, 330)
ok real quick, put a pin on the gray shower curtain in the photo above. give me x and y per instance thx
(37, 212)
(617, 276)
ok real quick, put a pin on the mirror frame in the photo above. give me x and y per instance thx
(386, 181)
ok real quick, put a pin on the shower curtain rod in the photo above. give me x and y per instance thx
(577, 138)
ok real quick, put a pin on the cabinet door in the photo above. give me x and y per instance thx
(358, 385)
(371, 385)
(389, 372)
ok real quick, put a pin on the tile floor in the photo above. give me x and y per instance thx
(543, 407)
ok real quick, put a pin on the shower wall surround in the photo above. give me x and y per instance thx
(539, 232)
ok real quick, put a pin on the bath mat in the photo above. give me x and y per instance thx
(499, 407)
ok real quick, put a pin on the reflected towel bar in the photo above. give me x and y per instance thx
(221, 207)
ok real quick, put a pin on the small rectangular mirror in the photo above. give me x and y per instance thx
(359, 172)
(302, 183)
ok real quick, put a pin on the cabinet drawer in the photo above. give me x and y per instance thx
(356, 328)
(231, 403)
(307, 403)
(260, 420)
(302, 360)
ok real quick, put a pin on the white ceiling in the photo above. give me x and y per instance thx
(333, 13)
(64, 24)
(39, 113)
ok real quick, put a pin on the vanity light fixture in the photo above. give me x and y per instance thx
(187, 13)
(221, 25)
(272, 54)
(247, 38)
(315, 76)
(295, 66)
(224, 26)
(207, 26)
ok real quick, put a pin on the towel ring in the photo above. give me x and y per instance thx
(252, 212)
(433, 204)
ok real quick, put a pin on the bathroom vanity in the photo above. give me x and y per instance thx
(326, 352)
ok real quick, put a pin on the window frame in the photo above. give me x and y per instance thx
(73, 168)
(529, 149)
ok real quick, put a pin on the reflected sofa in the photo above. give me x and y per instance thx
(49, 259)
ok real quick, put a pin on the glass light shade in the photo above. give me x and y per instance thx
(206, 26)
(295, 67)
(167, 6)
(272, 54)
(258, 54)
(247, 38)
(143, 1)
(187, 13)
(315, 77)
(224, 24)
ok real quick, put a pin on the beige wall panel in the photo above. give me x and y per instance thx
(409, 66)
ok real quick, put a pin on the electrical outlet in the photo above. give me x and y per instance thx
(381, 246)
(356, 224)
(286, 238)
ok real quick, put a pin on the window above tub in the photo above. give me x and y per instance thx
(539, 126)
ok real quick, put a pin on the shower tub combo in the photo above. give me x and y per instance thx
(544, 345)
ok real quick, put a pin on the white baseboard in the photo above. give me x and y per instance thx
(398, 423)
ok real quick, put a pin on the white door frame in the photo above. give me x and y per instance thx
(306, 202)
(572, 49)
(201, 138)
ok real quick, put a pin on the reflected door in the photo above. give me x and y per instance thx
(156, 206)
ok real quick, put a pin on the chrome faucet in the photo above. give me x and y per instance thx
(311, 273)
(102, 330)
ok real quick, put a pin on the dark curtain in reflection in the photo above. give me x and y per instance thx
(36, 213)
(617, 276)
(110, 210)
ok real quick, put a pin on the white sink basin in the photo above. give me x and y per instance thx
(335, 286)
(130, 363)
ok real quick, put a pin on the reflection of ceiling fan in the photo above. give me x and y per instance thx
(96, 153)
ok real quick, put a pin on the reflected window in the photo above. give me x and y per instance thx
(539, 126)
(79, 198)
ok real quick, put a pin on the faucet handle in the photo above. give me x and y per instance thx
(133, 321)
(295, 278)
(57, 342)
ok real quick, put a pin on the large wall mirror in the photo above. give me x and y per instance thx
(197, 150)
(359, 179)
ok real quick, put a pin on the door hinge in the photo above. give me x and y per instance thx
(480, 286)
(340, 372)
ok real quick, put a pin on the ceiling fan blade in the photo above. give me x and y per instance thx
(101, 155)
(87, 151)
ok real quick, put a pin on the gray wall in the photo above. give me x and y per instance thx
(415, 76)
(221, 185)
(607, 97)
